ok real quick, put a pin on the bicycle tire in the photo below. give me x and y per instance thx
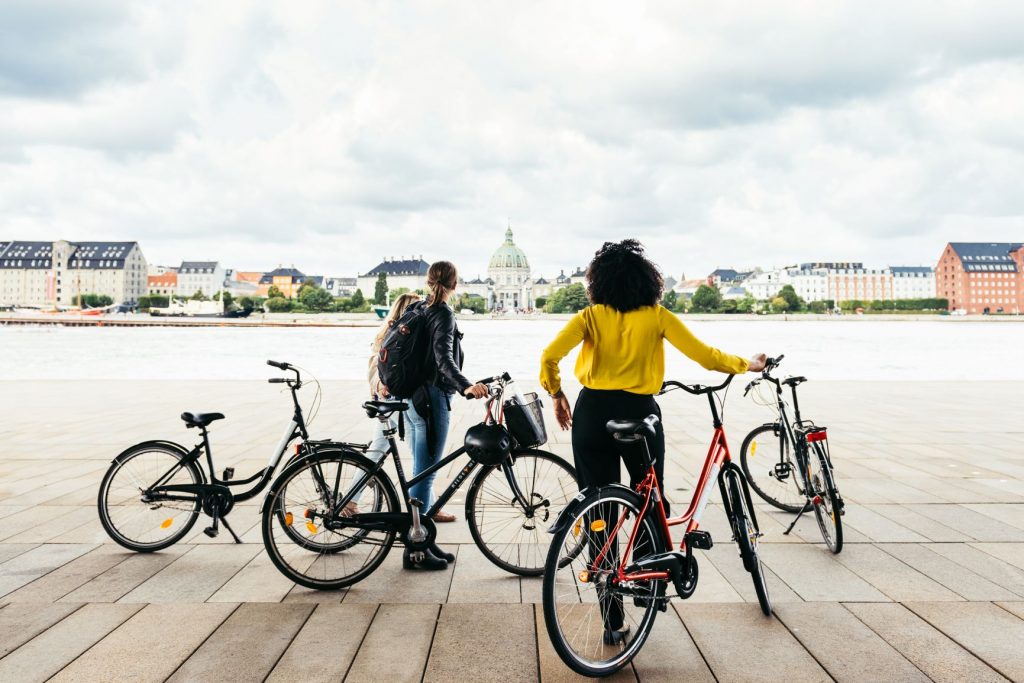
(304, 541)
(761, 488)
(742, 522)
(103, 502)
(549, 591)
(272, 510)
(513, 558)
(829, 512)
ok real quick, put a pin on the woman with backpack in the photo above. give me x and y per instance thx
(377, 389)
(431, 403)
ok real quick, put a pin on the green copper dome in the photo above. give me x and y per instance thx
(508, 255)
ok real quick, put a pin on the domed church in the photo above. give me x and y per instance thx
(509, 276)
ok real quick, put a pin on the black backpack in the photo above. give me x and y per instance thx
(402, 363)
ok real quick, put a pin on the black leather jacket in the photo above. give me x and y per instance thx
(446, 370)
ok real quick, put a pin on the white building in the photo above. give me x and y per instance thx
(401, 272)
(913, 282)
(509, 271)
(342, 286)
(53, 273)
(810, 284)
(200, 276)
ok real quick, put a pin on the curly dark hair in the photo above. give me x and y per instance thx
(622, 277)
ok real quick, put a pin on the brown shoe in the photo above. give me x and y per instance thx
(443, 517)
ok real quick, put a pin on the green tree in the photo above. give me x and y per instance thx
(670, 300)
(706, 299)
(275, 293)
(278, 304)
(199, 296)
(397, 292)
(359, 301)
(540, 301)
(316, 299)
(473, 302)
(793, 301)
(568, 300)
(817, 307)
(380, 291)
(746, 304)
(249, 303)
(728, 306)
(780, 305)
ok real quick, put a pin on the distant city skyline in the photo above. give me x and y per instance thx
(329, 135)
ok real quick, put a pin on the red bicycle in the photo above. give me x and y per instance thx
(611, 558)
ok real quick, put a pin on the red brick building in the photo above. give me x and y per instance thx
(982, 277)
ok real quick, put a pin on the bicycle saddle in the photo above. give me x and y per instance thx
(200, 419)
(631, 430)
(793, 381)
(384, 408)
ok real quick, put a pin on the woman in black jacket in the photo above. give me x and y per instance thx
(429, 418)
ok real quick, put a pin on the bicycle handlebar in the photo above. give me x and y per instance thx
(279, 365)
(288, 367)
(695, 389)
(277, 380)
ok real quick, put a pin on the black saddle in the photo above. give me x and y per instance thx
(384, 408)
(632, 430)
(200, 419)
(793, 381)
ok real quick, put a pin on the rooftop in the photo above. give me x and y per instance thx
(197, 267)
(403, 266)
(268, 278)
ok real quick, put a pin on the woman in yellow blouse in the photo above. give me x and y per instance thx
(622, 363)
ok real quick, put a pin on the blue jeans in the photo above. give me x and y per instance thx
(421, 455)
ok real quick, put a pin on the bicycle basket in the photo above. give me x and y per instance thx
(526, 421)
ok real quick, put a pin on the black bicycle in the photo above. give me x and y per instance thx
(348, 512)
(153, 492)
(788, 462)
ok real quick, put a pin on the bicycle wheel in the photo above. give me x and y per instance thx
(581, 603)
(300, 504)
(827, 504)
(140, 523)
(509, 534)
(746, 538)
(769, 464)
(370, 500)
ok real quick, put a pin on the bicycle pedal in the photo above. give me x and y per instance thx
(211, 532)
(229, 473)
(699, 539)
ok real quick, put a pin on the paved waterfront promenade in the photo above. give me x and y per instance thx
(929, 586)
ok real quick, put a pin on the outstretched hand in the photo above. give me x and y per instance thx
(757, 362)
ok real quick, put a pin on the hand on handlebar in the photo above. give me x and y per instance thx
(477, 390)
(757, 362)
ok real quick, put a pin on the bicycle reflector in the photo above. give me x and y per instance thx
(167, 522)
(311, 527)
(597, 525)
(288, 518)
(576, 528)
(584, 576)
(753, 448)
(819, 435)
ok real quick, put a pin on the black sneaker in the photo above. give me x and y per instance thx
(615, 637)
(660, 600)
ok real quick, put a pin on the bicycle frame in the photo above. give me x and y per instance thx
(296, 429)
(716, 462)
(493, 412)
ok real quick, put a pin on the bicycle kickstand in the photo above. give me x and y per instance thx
(230, 530)
(800, 514)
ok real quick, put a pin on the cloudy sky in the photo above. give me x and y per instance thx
(328, 134)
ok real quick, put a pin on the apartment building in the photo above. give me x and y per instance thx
(200, 276)
(982, 277)
(49, 274)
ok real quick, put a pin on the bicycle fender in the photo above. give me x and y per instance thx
(570, 510)
(144, 444)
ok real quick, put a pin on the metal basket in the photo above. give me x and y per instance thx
(526, 421)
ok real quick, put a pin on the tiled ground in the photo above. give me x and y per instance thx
(929, 586)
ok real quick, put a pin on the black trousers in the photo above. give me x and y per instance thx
(597, 456)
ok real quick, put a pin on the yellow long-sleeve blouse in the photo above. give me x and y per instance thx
(625, 350)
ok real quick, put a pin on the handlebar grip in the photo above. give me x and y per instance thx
(277, 380)
(276, 364)
(487, 380)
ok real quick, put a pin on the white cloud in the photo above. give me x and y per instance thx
(329, 135)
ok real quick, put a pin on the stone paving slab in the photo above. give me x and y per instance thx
(931, 651)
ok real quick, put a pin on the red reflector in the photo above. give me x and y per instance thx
(817, 436)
